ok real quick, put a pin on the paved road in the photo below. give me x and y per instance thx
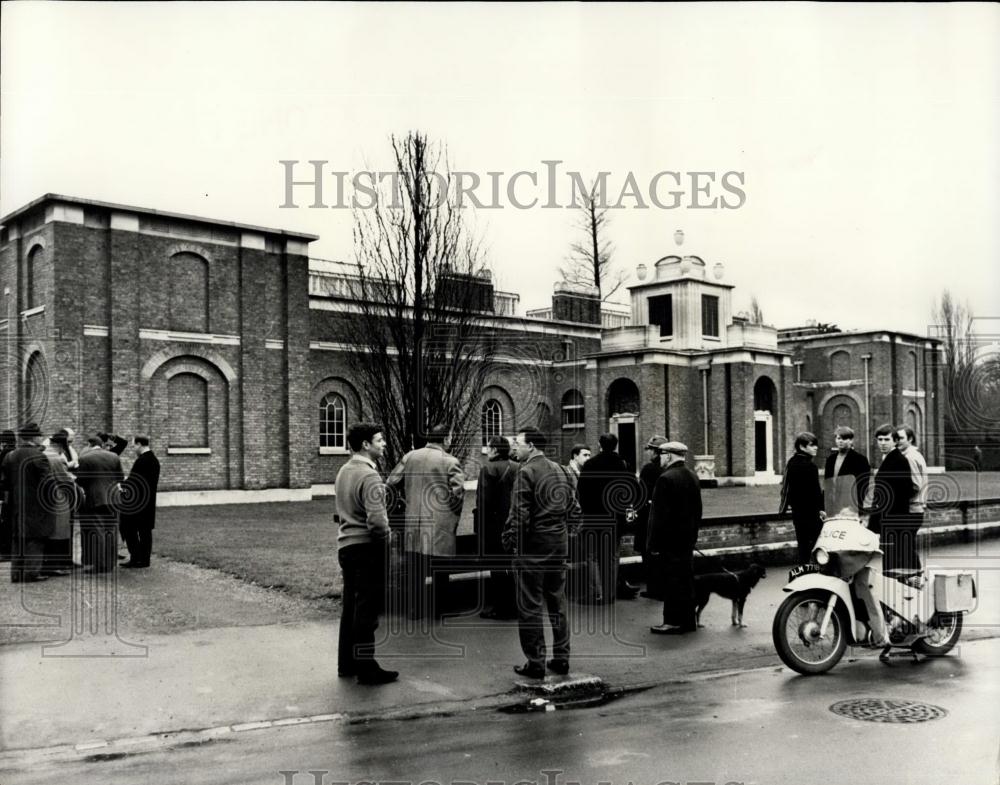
(760, 726)
(207, 678)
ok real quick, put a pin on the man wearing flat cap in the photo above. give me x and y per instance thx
(433, 485)
(23, 476)
(673, 531)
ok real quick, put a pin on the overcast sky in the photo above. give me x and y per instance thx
(866, 134)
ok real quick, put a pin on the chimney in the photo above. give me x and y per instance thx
(574, 303)
(464, 291)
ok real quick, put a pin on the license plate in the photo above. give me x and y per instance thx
(802, 569)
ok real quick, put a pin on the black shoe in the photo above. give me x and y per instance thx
(530, 671)
(377, 675)
(35, 578)
(558, 666)
(627, 594)
(346, 673)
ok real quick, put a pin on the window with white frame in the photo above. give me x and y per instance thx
(492, 420)
(332, 423)
(572, 410)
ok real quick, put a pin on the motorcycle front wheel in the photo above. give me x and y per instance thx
(944, 632)
(796, 633)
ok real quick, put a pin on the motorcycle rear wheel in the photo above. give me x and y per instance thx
(797, 615)
(946, 629)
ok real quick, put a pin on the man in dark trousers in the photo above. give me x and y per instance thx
(845, 476)
(362, 551)
(138, 504)
(673, 531)
(800, 490)
(99, 474)
(544, 514)
(605, 488)
(23, 476)
(648, 475)
(493, 490)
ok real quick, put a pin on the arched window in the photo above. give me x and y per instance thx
(842, 416)
(35, 388)
(188, 292)
(333, 422)
(840, 366)
(33, 278)
(492, 420)
(187, 405)
(572, 410)
(764, 394)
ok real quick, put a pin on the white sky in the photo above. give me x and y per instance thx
(867, 133)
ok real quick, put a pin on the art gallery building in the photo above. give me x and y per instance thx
(218, 340)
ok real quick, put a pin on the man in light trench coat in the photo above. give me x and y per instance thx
(433, 485)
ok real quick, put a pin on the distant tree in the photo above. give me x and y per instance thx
(589, 260)
(416, 341)
(756, 314)
(971, 379)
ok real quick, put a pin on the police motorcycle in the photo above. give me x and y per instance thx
(823, 612)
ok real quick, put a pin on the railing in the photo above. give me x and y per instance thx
(746, 334)
(612, 320)
(628, 338)
(328, 283)
(506, 303)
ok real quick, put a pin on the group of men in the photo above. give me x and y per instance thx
(47, 488)
(531, 515)
(889, 497)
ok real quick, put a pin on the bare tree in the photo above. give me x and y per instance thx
(419, 344)
(756, 314)
(589, 260)
(953, 327)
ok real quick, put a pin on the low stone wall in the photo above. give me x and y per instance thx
(769, 538)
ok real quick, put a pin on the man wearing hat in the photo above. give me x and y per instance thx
(23, 476)
(673, 531)
(648, 476)
(433, 485)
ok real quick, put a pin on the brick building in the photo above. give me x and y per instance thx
(218, 339)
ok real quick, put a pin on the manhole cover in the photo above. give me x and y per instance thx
(881, 710)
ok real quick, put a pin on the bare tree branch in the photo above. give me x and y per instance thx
(589, 260)
(417, 346)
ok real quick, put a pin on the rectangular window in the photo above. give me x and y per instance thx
(710, 315)
(661, 313)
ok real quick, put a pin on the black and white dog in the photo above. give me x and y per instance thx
(735, 586)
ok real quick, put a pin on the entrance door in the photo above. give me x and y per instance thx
(763, 437)
(625, 427)
(760, 446)
(626, 443)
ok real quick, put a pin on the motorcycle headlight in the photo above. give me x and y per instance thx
(821, 557)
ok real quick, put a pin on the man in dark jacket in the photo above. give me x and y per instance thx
(138, 504)
(496, 480)
(607, 489)
(544, 514)
(845, 477)
(648, 475)
(23, 477)
(673, 531)
(801, 491)
(99, 474)
(888, 503)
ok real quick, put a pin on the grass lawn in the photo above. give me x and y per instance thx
(293, 546)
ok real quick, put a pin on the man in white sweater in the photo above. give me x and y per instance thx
(362, 550)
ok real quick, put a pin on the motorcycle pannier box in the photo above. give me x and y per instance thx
(954, 593)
